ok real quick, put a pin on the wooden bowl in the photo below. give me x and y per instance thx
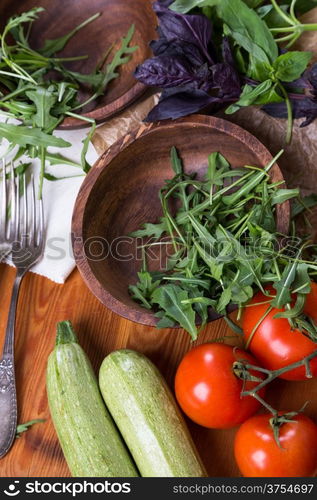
(93, 40)
(120, 193)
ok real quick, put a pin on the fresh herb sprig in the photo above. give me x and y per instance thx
(230, 54)
(40, 102)
(222, 244)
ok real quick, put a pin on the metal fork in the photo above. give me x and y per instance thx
(27, 249)
(6, 226)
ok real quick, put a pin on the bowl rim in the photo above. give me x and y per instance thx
(102, 113)
(210, 122)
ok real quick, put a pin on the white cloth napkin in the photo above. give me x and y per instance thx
(59, 198)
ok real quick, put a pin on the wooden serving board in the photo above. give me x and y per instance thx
(41, 305)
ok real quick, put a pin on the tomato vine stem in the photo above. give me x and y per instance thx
(273, 374)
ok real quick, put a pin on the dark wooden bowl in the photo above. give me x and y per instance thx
(93, 40)
(120, 193)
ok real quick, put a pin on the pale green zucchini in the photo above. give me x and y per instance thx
(147, 416)
(90, 441)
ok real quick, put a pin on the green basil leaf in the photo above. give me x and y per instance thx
(269, 97)
(290, 66)
(259, 70)
(253, 4)
(248, 29)
(303, 6)
(272, 17)
(184, 6)
(249, 96)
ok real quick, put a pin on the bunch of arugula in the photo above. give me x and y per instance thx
(40, 102)
(227, 53)
(223, 245)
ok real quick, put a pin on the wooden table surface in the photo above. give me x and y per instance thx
(41, 305)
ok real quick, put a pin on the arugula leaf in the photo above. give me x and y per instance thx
(58, 159)
(226, 246)
(50, 47)
(155, 230)
(25, 136)
(122, 56)
(225, 299)
(165, 321)
(283, 195)
(44, 100)
(169, 298)
(302, 204)
(290, 66)
(24, 427)
(282, 287)
(37, 100)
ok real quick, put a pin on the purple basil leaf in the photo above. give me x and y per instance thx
(194, 29)
(227, 55)
(166, 72)
(177, 48)
(312, 77)
(226, 79)
(176, 104)
(302, 108)
(165, 3)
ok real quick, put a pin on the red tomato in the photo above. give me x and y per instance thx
(207, 389)
(258, 455)
(274, 343)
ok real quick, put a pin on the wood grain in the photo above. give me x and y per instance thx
(94, 40)
(120, 194)
(41, 305)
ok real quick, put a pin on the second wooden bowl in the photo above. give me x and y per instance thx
(121, 193)
(60, 17)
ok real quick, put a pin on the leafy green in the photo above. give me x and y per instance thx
(44, 100)
(170, 298)
(250, 95)
(248, 30)
(40, 92)
(24, 136)
(121, 57)
(51, 47)
(24, 427)
(302, 204)
(290, 66)
(223, 237)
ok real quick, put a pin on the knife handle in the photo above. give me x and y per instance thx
(8, 404)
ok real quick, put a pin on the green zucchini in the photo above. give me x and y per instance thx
(147, 416)
(90, 441)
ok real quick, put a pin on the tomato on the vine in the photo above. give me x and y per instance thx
(208, 390)
(274, 343)
(258, 454)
